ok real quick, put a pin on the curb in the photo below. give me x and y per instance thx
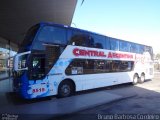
(4, 78)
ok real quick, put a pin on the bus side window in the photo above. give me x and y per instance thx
(98, 41)
(124, 46)
(124, 66)
(133, 48)
(141, 49)
(108, 65)
(75, 67)
(114, 44)
(99, 66)
(121, 66)
(78, 38)
(107, 43)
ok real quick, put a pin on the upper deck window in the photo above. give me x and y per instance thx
(137, 48)
(141, 49)
(86, 39)
(51, 34)
(134, 48)
(79, 38)
(107, 46)
(114, 44)
(99, 41)
(124, 46)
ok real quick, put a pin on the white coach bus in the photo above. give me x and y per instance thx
(60, 60)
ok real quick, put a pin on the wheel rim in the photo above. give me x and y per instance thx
(142, 78)
(65, 90)
(135, 79)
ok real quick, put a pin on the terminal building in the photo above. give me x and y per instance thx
(17, 16)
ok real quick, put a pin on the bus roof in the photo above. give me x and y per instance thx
(72, 28)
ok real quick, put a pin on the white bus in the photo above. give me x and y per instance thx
(60, 60)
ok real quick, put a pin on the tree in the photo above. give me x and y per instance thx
(158, 56)
(157, 61)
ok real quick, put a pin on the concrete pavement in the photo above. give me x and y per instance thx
(47, 109)
(61, 106)
(144, 103)
(56, 107)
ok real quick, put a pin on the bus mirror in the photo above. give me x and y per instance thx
(20, 61)
(26, 68)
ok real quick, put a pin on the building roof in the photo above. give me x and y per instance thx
(17, 16)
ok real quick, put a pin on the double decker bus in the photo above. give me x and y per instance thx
(60, 60)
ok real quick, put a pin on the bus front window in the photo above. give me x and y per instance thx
(49, 35)
(28, 39)
(37, 67)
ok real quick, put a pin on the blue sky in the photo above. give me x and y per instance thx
(131, 20)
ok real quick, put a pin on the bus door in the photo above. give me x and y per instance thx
(52, 54)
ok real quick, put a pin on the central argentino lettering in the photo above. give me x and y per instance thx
(82, 52)
(119, 55)
(93, 53)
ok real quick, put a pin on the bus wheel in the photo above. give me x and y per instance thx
(142, 78)
(65, 89)
(135, 79)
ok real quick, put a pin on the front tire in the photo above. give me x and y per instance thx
(65, 89)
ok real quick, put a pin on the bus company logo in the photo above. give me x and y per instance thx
(120, 55)
(93, 53)
(140, 58)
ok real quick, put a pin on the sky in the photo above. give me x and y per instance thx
(132, 20)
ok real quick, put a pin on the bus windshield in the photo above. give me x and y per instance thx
(28, 38)
(150, 51)
(50, 35)
(36, 66)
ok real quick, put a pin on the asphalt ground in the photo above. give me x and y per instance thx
(92, 104)
(143, 100)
